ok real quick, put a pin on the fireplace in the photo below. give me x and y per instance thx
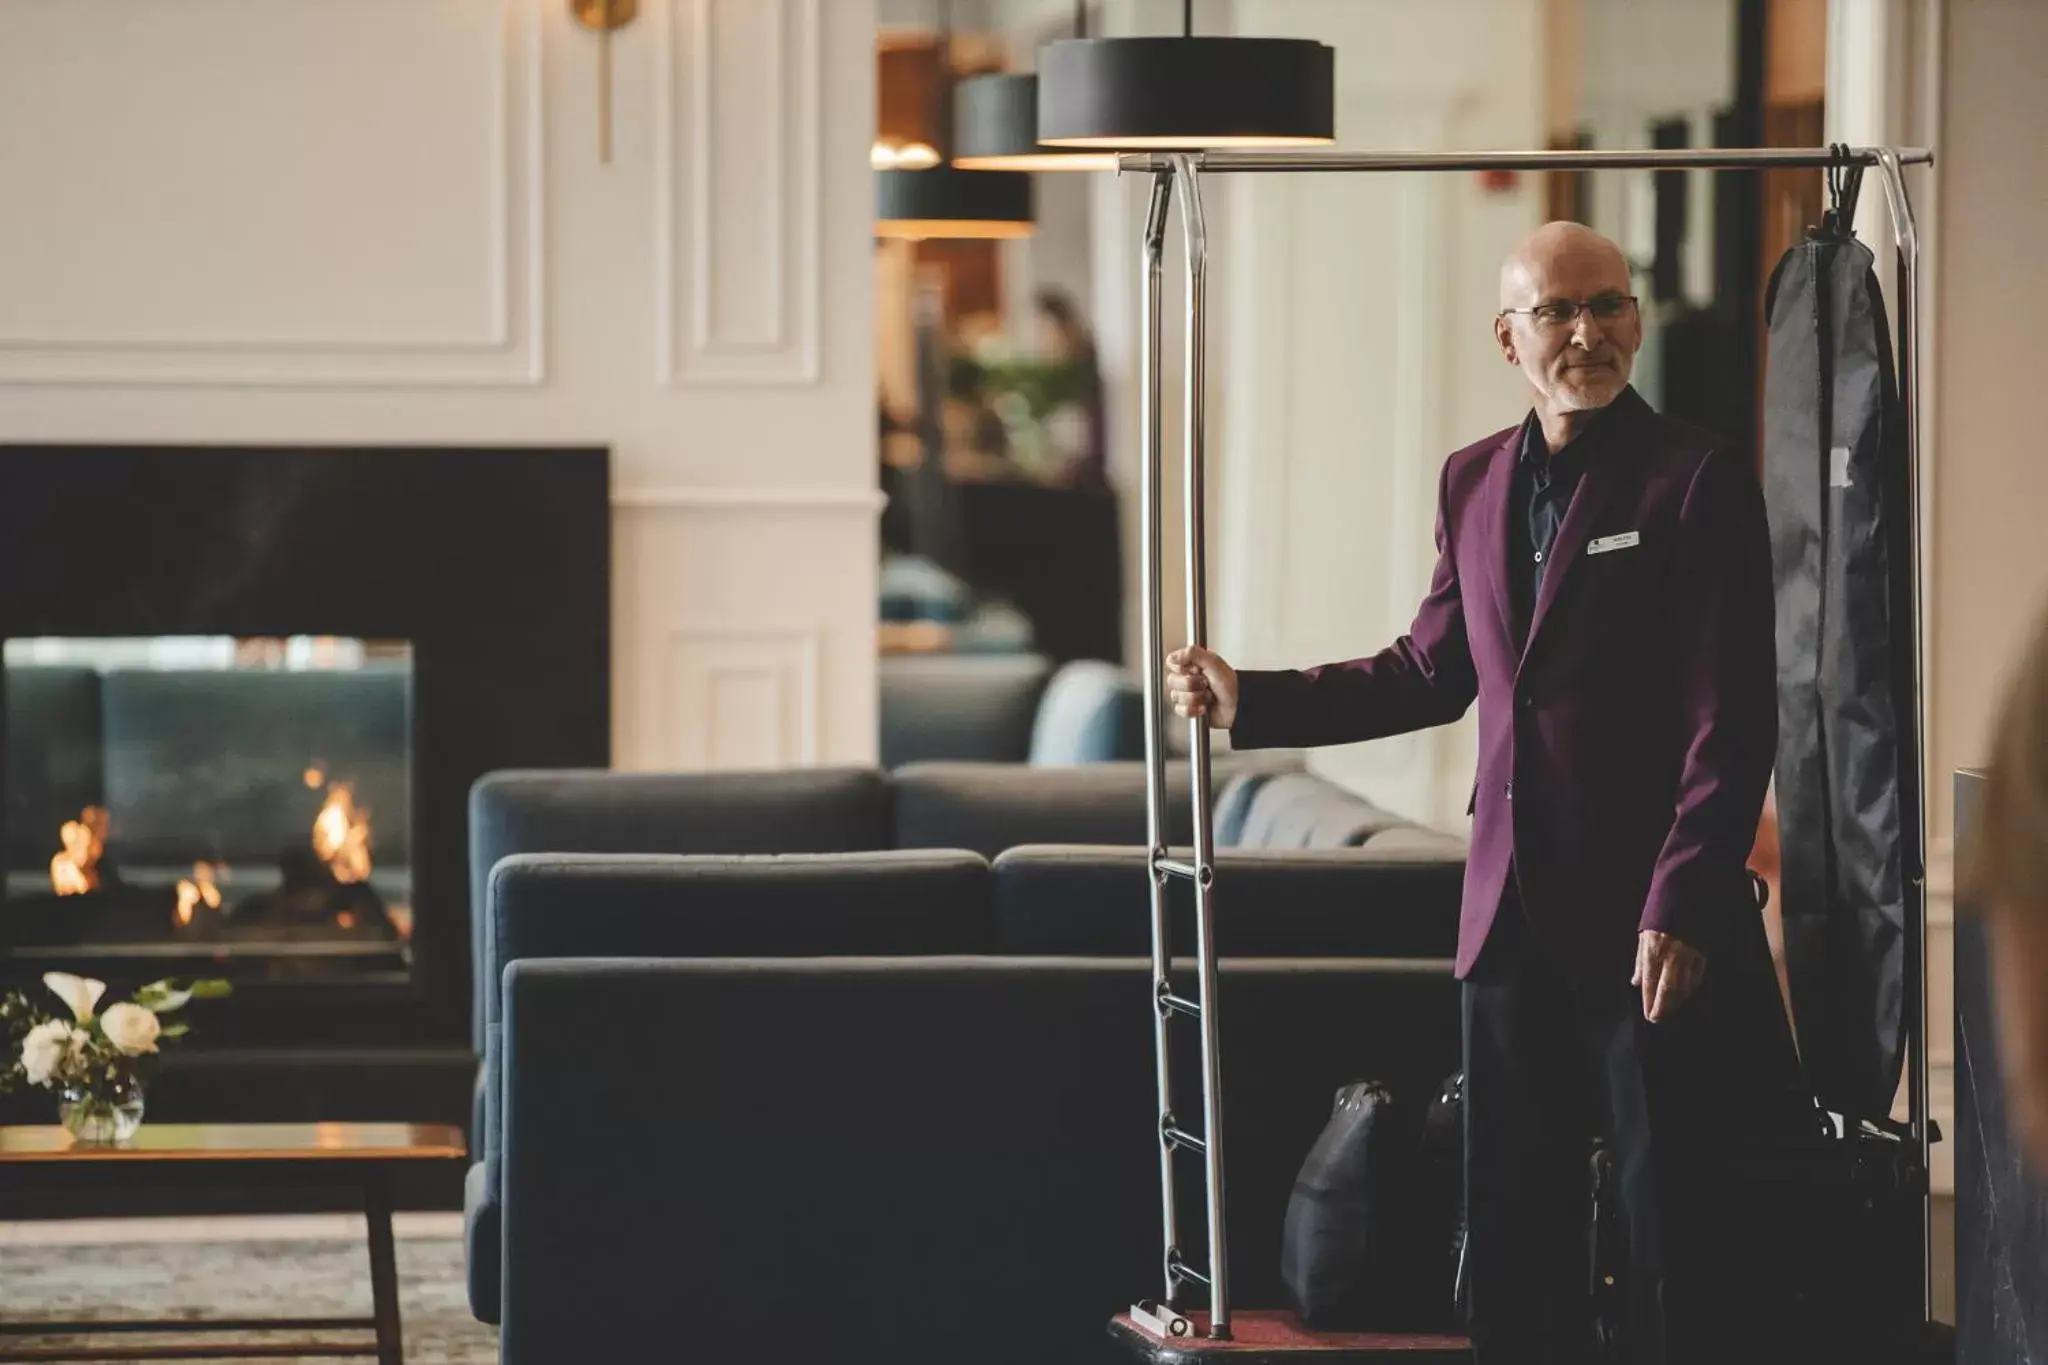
(264, 795)
(245, 692)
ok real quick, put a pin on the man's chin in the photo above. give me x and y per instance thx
(1586, 390)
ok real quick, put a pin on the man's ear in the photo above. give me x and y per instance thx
(1504, 337)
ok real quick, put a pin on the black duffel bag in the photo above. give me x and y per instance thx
(1364, 1246)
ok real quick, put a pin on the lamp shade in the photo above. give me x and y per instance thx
(995, 128)
(1186, 94)
(945, 202)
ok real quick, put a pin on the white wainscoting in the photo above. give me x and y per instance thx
(253, 193)
(742, 696)
(730, 652)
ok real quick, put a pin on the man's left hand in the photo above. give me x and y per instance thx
(1668, 970)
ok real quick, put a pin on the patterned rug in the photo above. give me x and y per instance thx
(245, 1278)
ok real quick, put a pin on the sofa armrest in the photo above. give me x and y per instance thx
(483, 1261)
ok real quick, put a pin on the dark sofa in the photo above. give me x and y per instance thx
(1342, 881)
(898, 1159)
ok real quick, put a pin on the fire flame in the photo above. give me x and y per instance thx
(200, 890)
(341, 835)
(75, 870)
(314, 778)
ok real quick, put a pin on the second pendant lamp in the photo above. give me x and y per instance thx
(1186, 93)
(995, 123)
(947, 201)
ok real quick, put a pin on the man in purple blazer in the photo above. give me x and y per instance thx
(1603, 591)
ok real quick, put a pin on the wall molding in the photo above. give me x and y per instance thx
(786, 660)
(690, 347)
(502, 352)
(712, 498)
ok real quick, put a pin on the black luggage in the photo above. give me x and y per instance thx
(1362, 1246)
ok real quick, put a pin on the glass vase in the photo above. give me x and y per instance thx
(102, 1112)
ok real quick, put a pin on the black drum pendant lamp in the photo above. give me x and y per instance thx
(946, 201)
(1186, 93)
(995, 124)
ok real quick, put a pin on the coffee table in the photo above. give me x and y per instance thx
(281, 1158)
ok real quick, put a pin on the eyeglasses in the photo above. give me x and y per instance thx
(1565, 312)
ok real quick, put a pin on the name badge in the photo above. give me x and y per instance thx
(1626, 540)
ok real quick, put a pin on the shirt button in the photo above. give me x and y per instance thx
(1539, 556)
(1528, 702)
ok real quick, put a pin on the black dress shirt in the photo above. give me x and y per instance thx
(1543, 488)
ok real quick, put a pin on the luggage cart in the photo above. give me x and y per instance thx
(1163, 1331)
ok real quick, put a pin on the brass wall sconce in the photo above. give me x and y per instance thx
(605, 17)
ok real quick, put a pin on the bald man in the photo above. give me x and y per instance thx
(1603, 591)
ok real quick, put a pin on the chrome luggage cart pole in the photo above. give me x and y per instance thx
(1173, 1134)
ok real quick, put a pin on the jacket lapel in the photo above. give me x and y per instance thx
(1500, 487)
(1606, 469)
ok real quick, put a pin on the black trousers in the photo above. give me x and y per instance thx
(1548, 1064)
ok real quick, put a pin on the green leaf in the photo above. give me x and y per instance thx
(162, 997)
(178, 1030)
(212, 988)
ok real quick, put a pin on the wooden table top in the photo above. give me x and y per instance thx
(244, 1142)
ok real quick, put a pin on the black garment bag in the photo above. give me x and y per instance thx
(1836, 488)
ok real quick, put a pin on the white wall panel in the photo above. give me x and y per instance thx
(248, 192)
(738, 189)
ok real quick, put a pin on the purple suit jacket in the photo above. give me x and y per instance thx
(1624, 753)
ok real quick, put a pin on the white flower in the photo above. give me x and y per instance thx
(49, 1051)
(130, 1028)
(79, 992)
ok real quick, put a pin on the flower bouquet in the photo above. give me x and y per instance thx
(93, 1060)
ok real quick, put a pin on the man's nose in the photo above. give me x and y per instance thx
(1586, 333)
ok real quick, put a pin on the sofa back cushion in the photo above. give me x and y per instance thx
(887, 903)
(989, 807)
(1080, 900)
(809, 810)
(591, 905)
(966, 707)
(1301, 810)
(1092, 712)
(852, 1152)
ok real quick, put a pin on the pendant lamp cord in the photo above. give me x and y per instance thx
(1187, 18)
(1080, 18)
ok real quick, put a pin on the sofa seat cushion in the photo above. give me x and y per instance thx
(1309, 903)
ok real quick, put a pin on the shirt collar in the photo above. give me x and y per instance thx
(1534, 453)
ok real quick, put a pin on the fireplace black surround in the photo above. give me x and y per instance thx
(491, 565)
